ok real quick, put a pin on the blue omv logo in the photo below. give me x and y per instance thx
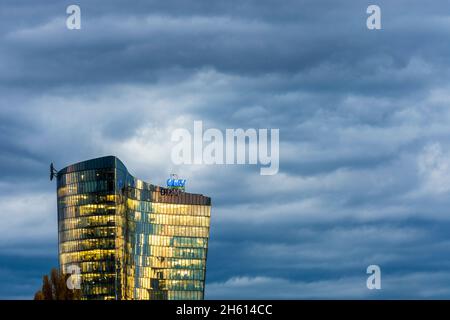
(176, 183)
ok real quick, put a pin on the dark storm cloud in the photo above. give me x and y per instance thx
(324, 46)
(363, 120)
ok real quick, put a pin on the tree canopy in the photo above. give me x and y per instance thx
(55, 288)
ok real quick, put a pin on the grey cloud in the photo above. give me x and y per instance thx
(141, 43)
(397, 286)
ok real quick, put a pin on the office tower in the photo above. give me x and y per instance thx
(130, 239)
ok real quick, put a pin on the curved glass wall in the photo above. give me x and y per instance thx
(130, 239)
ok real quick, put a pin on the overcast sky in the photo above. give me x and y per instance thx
(364, 121)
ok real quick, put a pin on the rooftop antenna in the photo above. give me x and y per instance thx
(53, 171)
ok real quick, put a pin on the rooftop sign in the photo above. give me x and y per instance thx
(174, 183)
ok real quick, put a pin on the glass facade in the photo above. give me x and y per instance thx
(130, 239)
